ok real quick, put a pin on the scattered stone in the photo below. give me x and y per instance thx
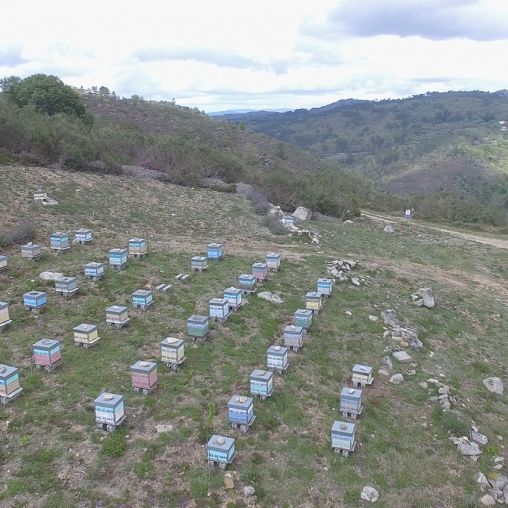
(479, 438)
(229, 482)
(487, 500)
(468, 449)
(270, 297)
(397, 379)
(498, 460)
(389, 228)
(387, 362)
(348, 313)
(369, 494)
(249, 490)
(373, 318)
(427, 298)
(390, 318)
(402, 357)
(443, 390)
(163, 427)
(494, 385)
(500, 482)
(348, 221)
(383, 372)
(315, 240)
(424, 385)
(51, 276)
(302, 213)
(355, 281)
(482, 481)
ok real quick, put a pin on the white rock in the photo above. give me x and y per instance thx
(373, 318)
(427, 298)
(397, 379)
(51, 276)
(383, 372)
(487, 500)
(479, 438)
(369, 494)
(163, 427)
(468, 449)
(302, 213)
(270, 297)
(424, 385)
(249, 490)
(402, 357)
(348, 313)
(348, 222)
(494, 385)
(389, 228)
(355, 281)
(482, 481)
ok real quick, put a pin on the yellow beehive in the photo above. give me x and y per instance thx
(86, 334)
(4, 313)
(313, 301)
(172, 350)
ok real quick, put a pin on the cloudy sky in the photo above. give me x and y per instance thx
(225, 54)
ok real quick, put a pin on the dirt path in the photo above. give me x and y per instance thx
(500, 243)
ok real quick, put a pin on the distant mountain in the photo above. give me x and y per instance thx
(230, 112)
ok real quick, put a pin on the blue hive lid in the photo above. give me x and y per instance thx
(34, 294)
(232, 290)
(7, 370)
(143, 366)
(240, 401)
(362, 369)
(259, 265)
(277, 350)
(82, 231)
(116, 309)
(85, 328)
(214, 245)
(118, 251)
(136, 240)
(343, 427)
(325, 281)
(265, 375)
(197, 319)
(221, 443)
(172, 342)
(198, 258)
(108, 399)
(273, 255)
(93, 264)
(218, 301)
(66, 279)
(351, 393)
(142, 292)
(293, 329)
(46, 343)
(313, 294)
(3, 305)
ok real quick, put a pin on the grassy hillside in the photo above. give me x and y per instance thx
(52, 455)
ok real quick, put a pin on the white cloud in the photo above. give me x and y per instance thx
(226, 54)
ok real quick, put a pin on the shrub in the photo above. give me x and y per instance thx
(114, 445)
(275, 226)
(22, 233)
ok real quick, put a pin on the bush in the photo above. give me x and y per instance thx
(23, 233)
(275, 226)
(450, 422)
(114, 445)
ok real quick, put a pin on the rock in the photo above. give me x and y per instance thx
(249, 490)
(500, 482)
(163, 427)
(427, 297)
(302, 213)
(355, 281)
(369, 494)
(315, 240)
(348, 221)
(270, 297)
(443, 390)
(424, 385)
(387, 362)
(373, 318)
(397, 379)
(499, 460)
(390, 318)
(487, 500)
(348, 313)
(229, 482)
(445, 403)
(494, 385)
(468, 449)
(389, 228)
(51, 276)
(479, 438)
(402, 357)
(383, 372)
(482, 481)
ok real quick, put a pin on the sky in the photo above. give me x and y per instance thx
(227, 54)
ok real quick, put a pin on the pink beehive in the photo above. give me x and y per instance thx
(144, 376)
(47, 353)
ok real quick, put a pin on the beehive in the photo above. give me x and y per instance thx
(199, 263)
(47, 353)
(197, 326)
(273, 261)
(215, 251)
(5, 319)
(94, 270)
(351, 403)
(343, 437)
(172, 351)
(86, 335)
(59, 241)
(234, 297)
(361, 376)
(118, 259)
(325, 286)
(138, 247)
(261, 383)
(247, 282)
(66, 286)
(277, 358)
(31, 251)
(219, 309)
(293, 337)
(220, 450)
(117, 315)
(241, 412)
(109, 410)
(34, 300)
(288, 220)
(260, 271)
(144, 377)
(83, 236)
(313, 301)
(303, 318)
(3, 263)
(407, 214)
(9, 383)
(142, 299)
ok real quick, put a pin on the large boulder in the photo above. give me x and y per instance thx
(302, 213)
(494, 385)
(51, 276)
(270, 297)
(369, 494)
(427, 298)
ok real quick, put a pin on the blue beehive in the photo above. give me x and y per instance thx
(118, 258)
(94, 270)
(197, 326)
(34, 300)
(277, 358)
(66, 286)
(60, 241)
(31, 251)
(288, 220)
(351, 403)
(219, 309)
(303, 318)
(247, 282)
(83, 236)
(109, 411)
(325, 286)
(234, 297)
(142, 299)
(273, 261)
(220, 450)
(293, 337)
(343, 437)
(261, 383)
(241, 412)
(3, 263)
(215, 251)
(199, 263)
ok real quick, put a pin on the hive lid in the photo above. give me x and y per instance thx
(144, 364)
(277, 348)
(220, 440)
(108, 396)
(3, 368)
(172, 340)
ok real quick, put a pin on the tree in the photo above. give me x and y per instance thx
(48, 94)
